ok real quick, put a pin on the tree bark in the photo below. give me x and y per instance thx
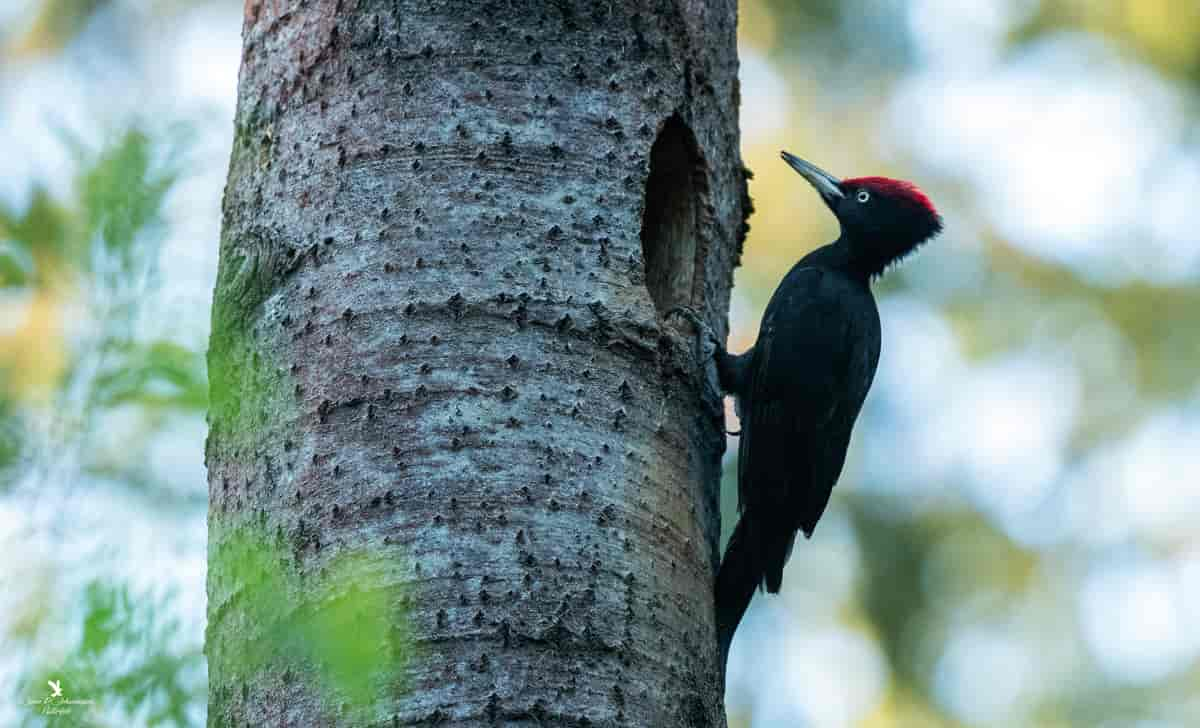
(451, 231)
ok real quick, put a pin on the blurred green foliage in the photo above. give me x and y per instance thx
(74, 275)
(33, 239)
(53, 24)
(11, 435)
(127, 661)
(342, 630)
(1160, 33)
(118, 194)
(161, 375)
(98, 249)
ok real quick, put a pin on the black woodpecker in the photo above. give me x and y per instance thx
(800, 388)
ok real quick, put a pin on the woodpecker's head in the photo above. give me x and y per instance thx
(882, 219)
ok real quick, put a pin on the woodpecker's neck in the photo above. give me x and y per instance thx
(870, 258)
(835, 256)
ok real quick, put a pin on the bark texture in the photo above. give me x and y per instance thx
(450, 232)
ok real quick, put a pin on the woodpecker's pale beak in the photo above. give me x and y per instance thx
(826, 184)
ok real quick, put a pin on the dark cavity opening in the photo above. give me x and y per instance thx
(670, 219)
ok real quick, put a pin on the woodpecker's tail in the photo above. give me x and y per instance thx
(740, 574)
(754, 557)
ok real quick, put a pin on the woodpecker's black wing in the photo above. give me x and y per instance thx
(812, 366)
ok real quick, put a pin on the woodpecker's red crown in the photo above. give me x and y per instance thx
(897, 189)
(882, 219)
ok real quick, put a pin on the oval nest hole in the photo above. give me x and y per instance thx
(670, 219)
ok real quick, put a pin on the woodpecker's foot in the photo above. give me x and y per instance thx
(698, 321)
(714, 349)
(704, 356)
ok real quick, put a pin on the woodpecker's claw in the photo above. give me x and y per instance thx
(705, 356)
(697, 321)
(687, 312)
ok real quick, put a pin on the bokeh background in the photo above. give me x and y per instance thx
(1016, 538)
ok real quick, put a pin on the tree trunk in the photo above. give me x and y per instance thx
(451, 231)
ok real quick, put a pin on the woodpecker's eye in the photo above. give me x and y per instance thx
(864, 196)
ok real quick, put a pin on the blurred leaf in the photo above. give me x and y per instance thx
(11, 435)
(32, 349)
(121, 192)
(1162, 33)
(794, 20)
(347, 629)
(869, 35)
(905, 600)
(56, 24)
(1157, 320)
(96, 247)
(103, 621)
(153, 374)
(128, 659)
(33, 244)
(16, 268)
(892, 591)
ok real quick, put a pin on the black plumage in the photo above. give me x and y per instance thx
(800, 388)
